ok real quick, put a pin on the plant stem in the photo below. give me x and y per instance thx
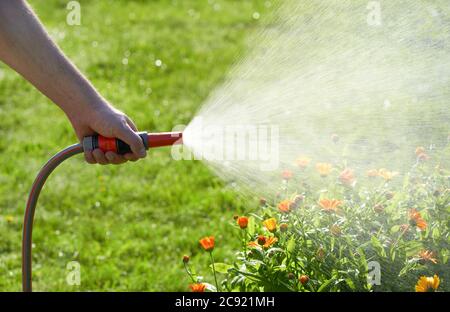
(189, 273)
(214, 271)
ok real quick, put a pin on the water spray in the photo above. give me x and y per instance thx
(150, 140)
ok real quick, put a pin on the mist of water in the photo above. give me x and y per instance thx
(374, 74)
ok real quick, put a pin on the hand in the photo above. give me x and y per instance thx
(107, 121)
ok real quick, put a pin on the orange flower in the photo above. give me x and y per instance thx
(242, 222)
(185, 259)
(415, 219)
(372, 173)
(423, 157)
(198, 287)
(303, 161)
(426, 255)
(324, 169)
(207, 243)
(287, 174)
(425, 283)
(330, 205)
(285, 205)
(270, 241)
(271, 224)
(303, 279)
(386, 174)
(261, 240)
(346, 177)
(420, 150)
(264, 241)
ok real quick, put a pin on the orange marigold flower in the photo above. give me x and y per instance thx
(346, 177)
(207, 243)
(283, 227)
(425, 284)
(324, 169)
(415, 219)
(303, 161)
(427, 255)
(270, 241)
(285, 205)
(372, 173)
(330, 205)
(261, 240)
(264, 241)
(420, 150)
(242, 222)
(423, 157)
(287, 174)
(386, 174)
(303, 279)
(198, 287)
(271, 224)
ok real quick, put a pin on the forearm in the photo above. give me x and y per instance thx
(26, 47)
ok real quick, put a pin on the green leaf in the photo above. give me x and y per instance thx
(324, 286)
(412, 248)
(251, 226)
(291, 245)
(221, 267)
(436, 234)
(378, 246)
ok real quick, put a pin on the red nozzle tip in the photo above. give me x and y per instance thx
(164, 139)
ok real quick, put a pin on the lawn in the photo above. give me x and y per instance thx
(128, 226)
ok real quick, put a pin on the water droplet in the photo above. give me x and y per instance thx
(158, 63)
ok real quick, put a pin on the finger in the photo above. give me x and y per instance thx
(126, 134)
(100, 157)
(89, 157)
(130, 157)
(131, 124)
(114, 158)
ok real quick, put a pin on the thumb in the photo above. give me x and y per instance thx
(126, 134)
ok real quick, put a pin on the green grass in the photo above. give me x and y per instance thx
(128, 226)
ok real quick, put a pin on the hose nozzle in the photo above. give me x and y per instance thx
(150, 140)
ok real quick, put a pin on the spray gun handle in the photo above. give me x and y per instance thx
(105, 144)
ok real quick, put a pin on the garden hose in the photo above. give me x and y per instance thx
(150, 140)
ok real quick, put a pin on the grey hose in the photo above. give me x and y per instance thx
(38, 183)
